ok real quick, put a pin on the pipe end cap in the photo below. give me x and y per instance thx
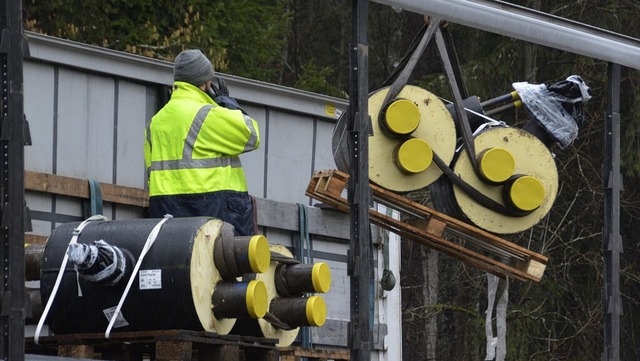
(321, 277)
(527, 193)
(496, 164)
(402, 117)
(414, 156)
(259, 254)
(257, 299)
(316, 310)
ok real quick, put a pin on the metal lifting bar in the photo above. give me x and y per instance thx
(530, 25)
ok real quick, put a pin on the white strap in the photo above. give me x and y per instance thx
(492, 341)
(147, 245)
(74, 239)
(496, 345)
(501, 321)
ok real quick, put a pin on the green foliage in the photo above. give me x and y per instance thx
(243, 37)
(319, 80)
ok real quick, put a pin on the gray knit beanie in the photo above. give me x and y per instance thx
(193, 67)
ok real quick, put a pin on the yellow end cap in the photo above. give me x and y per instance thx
(259, 254)
(402, 117)
(256, 298)
(497, 164)
(316, 311)
(527, 193)
(414, 156)
(321, 277)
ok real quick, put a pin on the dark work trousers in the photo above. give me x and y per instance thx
(232, 207)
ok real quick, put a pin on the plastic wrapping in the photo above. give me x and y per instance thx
(99, 262)
(557, 107)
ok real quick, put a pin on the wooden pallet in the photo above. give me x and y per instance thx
(163, 345)
(297, 354)
(426, 226)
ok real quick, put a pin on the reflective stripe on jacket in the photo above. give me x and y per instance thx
(192, 145)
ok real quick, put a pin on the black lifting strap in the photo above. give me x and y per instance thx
(475, 194)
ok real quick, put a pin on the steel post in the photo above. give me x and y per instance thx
(611, 240)
(12, 206)
(360, 257)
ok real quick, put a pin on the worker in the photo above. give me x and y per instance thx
(192, 146)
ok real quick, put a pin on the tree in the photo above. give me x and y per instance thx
(242, 37)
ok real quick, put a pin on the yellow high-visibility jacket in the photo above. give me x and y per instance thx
(192, 145)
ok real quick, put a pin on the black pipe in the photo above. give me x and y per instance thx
(509, 97)
(299, 312)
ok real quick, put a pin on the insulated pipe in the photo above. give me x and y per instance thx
(296, 279)
(235, 256)
(530, 25)
(298, 312)
(242, 299)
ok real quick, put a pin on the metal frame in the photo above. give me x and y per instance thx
(12, 287)
(359, 197)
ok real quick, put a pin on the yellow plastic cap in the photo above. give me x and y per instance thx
(527, 193)
(496, 164)
(256, 298)
(316, 311)
(402, 117)
(321, 277)
(414, 156)
(259, 254)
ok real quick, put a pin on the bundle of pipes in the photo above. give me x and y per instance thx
(185, 276)
(290, 288)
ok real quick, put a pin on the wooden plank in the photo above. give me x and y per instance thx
(295, 353)
(75, 187)
(429, 225)
(454, 224)
(281, 215)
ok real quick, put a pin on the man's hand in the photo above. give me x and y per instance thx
(221, 89)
